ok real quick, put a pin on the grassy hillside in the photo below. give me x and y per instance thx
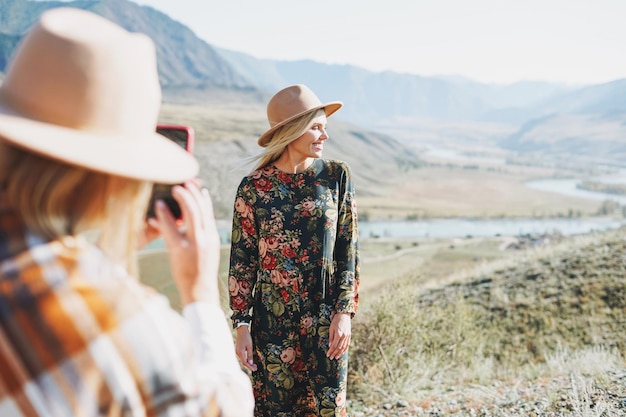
(540, 330)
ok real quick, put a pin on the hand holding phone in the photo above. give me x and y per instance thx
(183, 136)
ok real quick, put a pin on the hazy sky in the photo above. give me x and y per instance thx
(501, 41)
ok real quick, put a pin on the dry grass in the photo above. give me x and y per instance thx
(385, 260)
(502, 335)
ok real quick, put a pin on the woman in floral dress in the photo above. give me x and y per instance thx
(294, 264)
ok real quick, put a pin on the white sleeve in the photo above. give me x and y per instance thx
(214, 344)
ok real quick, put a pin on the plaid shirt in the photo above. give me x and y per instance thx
(79, 337)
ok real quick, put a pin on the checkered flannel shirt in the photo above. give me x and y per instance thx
(79, 337)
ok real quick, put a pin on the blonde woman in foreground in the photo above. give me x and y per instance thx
(79, 334)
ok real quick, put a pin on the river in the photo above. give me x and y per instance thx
(451, 228)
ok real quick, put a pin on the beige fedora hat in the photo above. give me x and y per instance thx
(289, 104)
(82, 90)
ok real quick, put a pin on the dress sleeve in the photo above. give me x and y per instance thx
(347, 247)
(243, 268)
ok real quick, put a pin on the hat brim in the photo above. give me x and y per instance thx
(329, 108)
(151, 158)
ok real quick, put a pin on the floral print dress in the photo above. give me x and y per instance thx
(294, 264)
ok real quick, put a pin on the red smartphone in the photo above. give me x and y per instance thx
(181, 135)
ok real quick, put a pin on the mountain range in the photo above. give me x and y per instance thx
(191, 70)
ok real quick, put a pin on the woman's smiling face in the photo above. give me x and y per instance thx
(311, 143)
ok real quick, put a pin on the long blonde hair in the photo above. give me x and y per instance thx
(283, 136)
(55, 199)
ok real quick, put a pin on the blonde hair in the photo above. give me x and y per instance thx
(55, 199)
(283, 136)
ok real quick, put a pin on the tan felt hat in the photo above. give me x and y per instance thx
(82, 90)
(289, 104)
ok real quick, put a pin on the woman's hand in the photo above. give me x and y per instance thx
(243, 347)
(340, 333)
(194, 248)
